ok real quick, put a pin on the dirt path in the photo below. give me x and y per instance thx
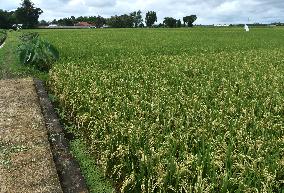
(26, 163)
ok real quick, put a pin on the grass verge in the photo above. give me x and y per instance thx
(94, 178)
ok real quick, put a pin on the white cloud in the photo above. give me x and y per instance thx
(207, 11)
(8, 5)
(228, 7)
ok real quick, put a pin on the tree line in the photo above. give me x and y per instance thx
(131, 20)
(28, 15)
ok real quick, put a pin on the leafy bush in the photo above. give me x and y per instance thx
(3, 36)
(37, 52)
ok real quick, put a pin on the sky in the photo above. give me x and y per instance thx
(207, 11)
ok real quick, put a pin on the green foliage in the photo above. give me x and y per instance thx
(6, 19)
(100, 21)
(170, 22)
(37, 52)
(94, 177)
(122, 21)
(189, 20)
(177, 110)
(137, 18)
(151, 18)
(43, 23)
(178, 23)
(26, 37)
(10, 66)
(97, 21)
(3, 36)
(27, 14)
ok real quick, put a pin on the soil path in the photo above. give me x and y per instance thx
(26, 163)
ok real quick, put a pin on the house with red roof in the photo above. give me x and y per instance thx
(84, 24)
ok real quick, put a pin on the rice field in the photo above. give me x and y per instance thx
(176, 110)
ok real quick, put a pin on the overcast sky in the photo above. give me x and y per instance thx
(207, 11)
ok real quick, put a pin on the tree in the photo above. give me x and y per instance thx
(141, 25)
(66, 22)
(54, 21)
(43, 23)
(7, 19)
(189, 20)
(27, 14)
(170, 22)
(160, 25)
(122, 21)
(151, 18)
(4, 19)
(92, 20)
(178, 23)
(73, 18)
(137, 18)
(100, 21)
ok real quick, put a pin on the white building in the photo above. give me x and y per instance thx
(221, 25)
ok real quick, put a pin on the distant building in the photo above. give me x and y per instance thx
(17, 26)
(84, 24)
(52, 25)
(105, 26)
(221, 25)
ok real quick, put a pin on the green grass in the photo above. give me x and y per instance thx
(176, 110)
(7, 57)
(94, 178)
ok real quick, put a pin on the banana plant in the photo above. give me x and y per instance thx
(37, 52)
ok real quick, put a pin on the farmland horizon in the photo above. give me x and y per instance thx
(208, 13)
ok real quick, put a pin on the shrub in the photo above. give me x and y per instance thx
(37, 52)
(3, 36)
